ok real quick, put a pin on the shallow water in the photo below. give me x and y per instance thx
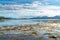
(27, 37)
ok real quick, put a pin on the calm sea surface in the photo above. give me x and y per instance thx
(21, 22)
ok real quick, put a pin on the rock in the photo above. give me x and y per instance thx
(26, 28)
(51, 36)
(33, 33)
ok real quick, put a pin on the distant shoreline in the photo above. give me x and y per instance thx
(27, 19)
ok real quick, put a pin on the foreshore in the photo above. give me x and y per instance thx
(40, 31)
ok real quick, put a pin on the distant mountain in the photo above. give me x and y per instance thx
(57, 17)
(4, 18)
(33, 17)
(46, 17)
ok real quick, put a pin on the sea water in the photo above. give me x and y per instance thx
(21, 22)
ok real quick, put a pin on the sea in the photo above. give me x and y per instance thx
(15, 22)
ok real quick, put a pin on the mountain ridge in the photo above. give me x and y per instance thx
(33, 17)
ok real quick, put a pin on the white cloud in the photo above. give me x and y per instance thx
(34, 9)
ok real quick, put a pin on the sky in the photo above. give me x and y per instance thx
(29, 8)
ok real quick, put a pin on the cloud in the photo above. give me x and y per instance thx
(52, 2)
(35, 9)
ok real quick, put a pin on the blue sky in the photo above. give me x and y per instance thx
(18, 2)
(28, 8)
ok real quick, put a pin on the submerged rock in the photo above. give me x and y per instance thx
(33, 33)
(26, 28)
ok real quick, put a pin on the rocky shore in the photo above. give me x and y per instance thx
(38, 31)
